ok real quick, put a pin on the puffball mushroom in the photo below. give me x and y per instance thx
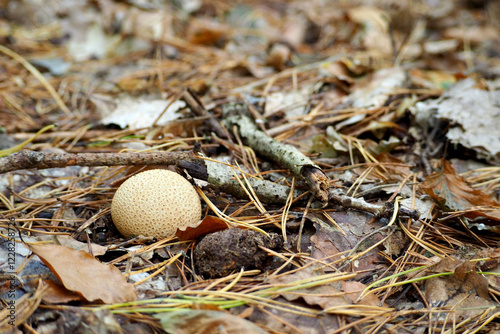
(155, 203)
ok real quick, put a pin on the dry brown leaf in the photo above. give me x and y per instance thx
(82, 273)
(466, 272)
(398, 171)
(210, 224)
(207, 32)
(490, 259)
(68, 241)
(58, 294)
(354, 289)
(325, 295)
(472, 111)
(329, 240)
(466, 290)
(450, 190)
(207, 322)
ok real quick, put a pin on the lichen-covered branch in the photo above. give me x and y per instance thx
(284, 155)
(219, 175)
(222, 178)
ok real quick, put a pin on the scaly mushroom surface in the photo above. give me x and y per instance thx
(155, 203)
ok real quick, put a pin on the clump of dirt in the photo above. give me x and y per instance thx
(222, 253)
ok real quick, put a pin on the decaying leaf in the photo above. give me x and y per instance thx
(68, 241)
(473, 110)
(210, 224)
(354, 289)
(82, 273)
(207, 322)
(378, 89)
(292, 103)
(450, 190)
(328, 240)
(58, 294)
(465, 291)
(137, 113)
(325, 295)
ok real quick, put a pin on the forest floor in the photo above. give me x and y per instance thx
(346, 155)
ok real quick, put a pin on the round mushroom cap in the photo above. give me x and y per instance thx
(155, 203)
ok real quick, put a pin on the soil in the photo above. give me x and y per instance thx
(222, 253)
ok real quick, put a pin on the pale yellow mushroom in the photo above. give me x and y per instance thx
(155, 203)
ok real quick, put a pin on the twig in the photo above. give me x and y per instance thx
(218, 174)
(360, 204)
(283, 154)
(197, 107)
(25, 159)
(221, 177)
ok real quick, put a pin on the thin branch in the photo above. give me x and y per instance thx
(285, 155)
(32, 69)
(218, 174)
(197, 107)
(360, 204)
(25, 159)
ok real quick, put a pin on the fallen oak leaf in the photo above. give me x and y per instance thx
(80, 272)
(451, 190)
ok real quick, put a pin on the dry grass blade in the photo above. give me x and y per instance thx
(288, 204)
(39, 76)
(229, 220)
(26, 142)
